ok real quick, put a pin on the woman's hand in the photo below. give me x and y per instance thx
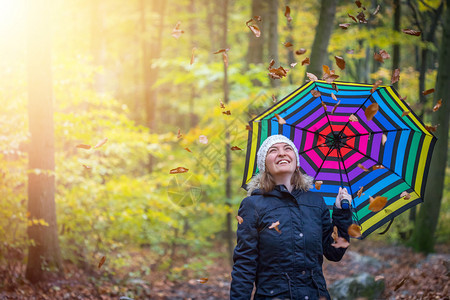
(343, 194)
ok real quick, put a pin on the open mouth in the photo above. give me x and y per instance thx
(283, 162)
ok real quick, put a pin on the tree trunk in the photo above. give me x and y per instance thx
(272, 18)
(396, 46)
(290, 39)
(256, 44)
(423, 238)
(319, 51)
(44, 256)
(192, 32)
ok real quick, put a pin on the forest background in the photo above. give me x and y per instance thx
(141, 83)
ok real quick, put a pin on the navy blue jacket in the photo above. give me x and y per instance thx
(286, 265)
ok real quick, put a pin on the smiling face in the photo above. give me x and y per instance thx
(281, 160)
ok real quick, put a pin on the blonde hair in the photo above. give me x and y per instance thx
(267, 182)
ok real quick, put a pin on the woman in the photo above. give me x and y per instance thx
(285, 230)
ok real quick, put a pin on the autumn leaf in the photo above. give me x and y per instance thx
(293, 65)
(281, 121)
(377, 167)
(378, 277)
(234, 148)
(102, 261)
(179, 135)
(371, 110)
(248, 127)
(311, 76)
(193, 55)
(271, 63)
(221, 51)
(363, 168)
(287, 44)
(406, 195)
(350, 51)
(101, 143)
(358, 3)
(353, 118)
(395, 76)
(287, 14)
(316, 93)
(341, 243)
(359, 193)
(177, 32)
(257, 18)
(335, 234)
(84, 146)
(376, 10)
(87, 167)
(378, 57)
(306, 62)
(344, 25)
(274, 99)
(377, 203)
(340, 62)
(383, 139)
(375, 86)
(187, 149)
(334, 108)
(255, 29)
(411, 32)
(353, 18)
(202, 280)
(427, 92)
(361, 17)
(335, 87)
(300, 51)
(431, 128)
(178, 170)
(384, 54)
(318, 184)
(405, 113)
(438, 105)
(226, 112)
(324, 106)
(277, 73)
(354, 231)
(333, 96)
(221, 104)
(239, 219)
(203, 139)
(330, 78)
(326, 70)
(275, 226)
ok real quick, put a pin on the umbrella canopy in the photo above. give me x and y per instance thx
(352, 135)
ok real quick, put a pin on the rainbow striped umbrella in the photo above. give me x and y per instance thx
(386, 156)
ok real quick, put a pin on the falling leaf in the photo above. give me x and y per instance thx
(395, 76)
(376, 85)
(101, 143)
(406, 195)
(378, 57)
(179, 135)
(255, 29)
(411, 32)
(379, 277)
(234, 148)
(330, 78)
(427, 92)
(384, 54)
(358, 3)
(371, 110)
(221, 104)
(363, 168)
(87, 167)
(318, 184)
(431, 128)
(83, 146)
(225, 59)
(248, 127)
(324, 106)
(274, 99)
(335, 87)
(361, 17)
(333, 96)
(335, 234)
(353, 118)
(316, 93)
(353, 18)
(377, 203)
(177, 32)
(221, 51)
(203, 139)
(344, 25)
(377, 167)
(226, 112)
(275, 226)
(203, 280)
(287, 13)
(178, 170)
(239, 219)
(277, 73)
(438, 105)
(326, 69)
(376, 10)
(359, 193)
(405, 113)
(341, 243)
(257, 18)
(271, 63)
(102, 261)
(187, 149)
(193, 55)
(300, 51)
(287, 44)
(293, 65)
(334, 108)
(340, 62)
(354, 231)
(305, 62)
(281, 121)
(311, 76)
(383, 139)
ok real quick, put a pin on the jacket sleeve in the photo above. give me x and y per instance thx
(342, 219)
(245, 255)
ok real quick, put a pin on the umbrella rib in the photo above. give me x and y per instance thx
(355, 113)
(318, 170)
(299, 128)
(329, 123)
(382, 131)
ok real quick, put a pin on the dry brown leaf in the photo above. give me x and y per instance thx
(335, 87)
(221, 104)
(411, 32)
(330, 78)
(300, 51)
(102, 261)
(305, 61)
(432, 128)
(271, 63)
(375, 86)
(379, 277)
(87, 167)
(274, 99)
(248, 127)
(277, 73)
(179, 135)
(193, 55)
(316, 93)
(358, 3)
(287, 44)
(384, 54)
(376, 10)
(335, 234)
(187, 149)
(371, 110)
(378, 57)
(226, 112)
(101, 143)
(326, 69)
(353, 18)
(353, 118)
(203, 139)
(383, 139)
(203, 280)
(359, 193)
(395, 76)
(427, 92)
(354, 231)
(377, 167)
(350, 51)
(438, 105)
(406, 195)
(239, 219)
(287, 14)
(324, 106)
(178, 170)
(255, 29)
(333, 96)
(340, 62)
(341, 243)
(361, 17)
(221, 51)
(257, 18)
(405, 113)
(281, 121)
(344, 25)
(234, 148)
(293, 65)
(363, 168)
(275, 226)
(311, 76)
(334, 108)
(177, 32)
(318, 184)
(84, 146)
(377, 203)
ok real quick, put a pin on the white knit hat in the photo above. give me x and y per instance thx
(271, 140)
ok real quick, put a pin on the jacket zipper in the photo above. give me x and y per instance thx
(289, 284)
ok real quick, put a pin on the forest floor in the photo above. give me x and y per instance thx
(407, 275)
